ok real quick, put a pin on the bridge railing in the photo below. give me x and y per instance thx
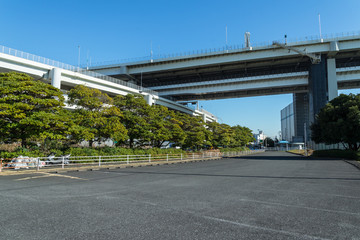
(233, 48)
(47, 61)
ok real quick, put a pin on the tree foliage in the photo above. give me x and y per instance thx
(135, 118)
(164, 126)
(22, 102)
(339, 122)
(242, 135)
(32, 111)
(269, 142)
(95, 115)
(196, 134)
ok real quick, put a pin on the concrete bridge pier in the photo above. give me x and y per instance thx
(149, 99)
(301, 115)
(322, 89)
(55, 76)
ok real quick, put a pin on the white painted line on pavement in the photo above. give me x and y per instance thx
(299, 235)
(49, 175)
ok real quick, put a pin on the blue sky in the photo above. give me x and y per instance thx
(113, 30)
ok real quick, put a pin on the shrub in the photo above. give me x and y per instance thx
(78, 151)
(237, 149)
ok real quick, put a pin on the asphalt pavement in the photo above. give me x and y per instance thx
(272, 195)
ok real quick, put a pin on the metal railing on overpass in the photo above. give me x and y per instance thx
(53, 63)
(232, 48)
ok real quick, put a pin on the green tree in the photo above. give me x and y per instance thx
(269, 142)
(164, 126)
(95, 115)
(222, 134)
(242, 136)
(23, 103)
(339, 122)
(196, 134)
(135, 118)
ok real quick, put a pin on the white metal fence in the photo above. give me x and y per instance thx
(23, 162)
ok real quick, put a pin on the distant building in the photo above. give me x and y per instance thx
(287, 123)
(259, 138)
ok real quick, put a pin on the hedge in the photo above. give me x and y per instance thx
(337, 153)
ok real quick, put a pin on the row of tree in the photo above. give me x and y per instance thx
(33, 112)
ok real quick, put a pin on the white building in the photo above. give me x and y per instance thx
(259, 138)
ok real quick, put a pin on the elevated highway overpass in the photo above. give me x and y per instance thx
(65, 77)
(264, 70)
(240, 72)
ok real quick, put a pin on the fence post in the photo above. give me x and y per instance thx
(1, 164)
(37, 164)
(181, 157)
(203, 155)
(99, 161)
(167, 157)
(127, 159)
(193, 156)
(149, 157)
(63, 160)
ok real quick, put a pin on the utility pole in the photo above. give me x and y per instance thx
(320, 29)
(151, 52)
(226, 40)
(79, 59)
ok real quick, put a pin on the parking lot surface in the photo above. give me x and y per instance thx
(272, 195)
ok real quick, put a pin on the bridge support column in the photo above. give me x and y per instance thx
(322, 86)
(149, 99)
(301, 115)
(332, 81)
(55, 76)
(318, 88)
(204, 117)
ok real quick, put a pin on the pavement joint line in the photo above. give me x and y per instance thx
(294, 234)
(297, 206)
(299, 192)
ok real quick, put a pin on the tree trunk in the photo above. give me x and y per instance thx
(23, 143)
